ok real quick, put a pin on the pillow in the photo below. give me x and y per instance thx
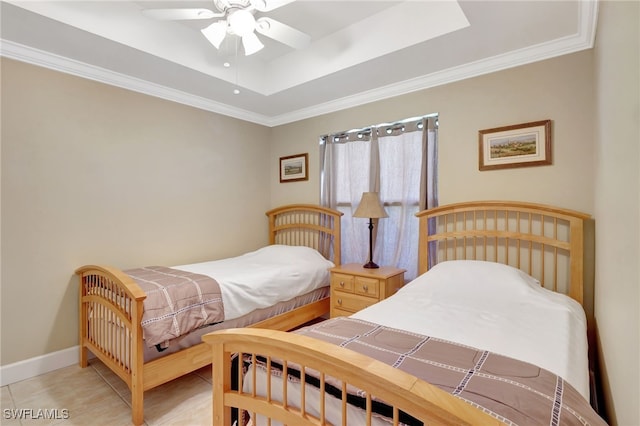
(278, 253)
(473, 279)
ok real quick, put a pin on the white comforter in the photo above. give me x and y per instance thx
(493, 307)
(264, 277)
(481, 304)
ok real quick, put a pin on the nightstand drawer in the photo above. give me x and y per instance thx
(351, 302)
(336, 312)
(367, 286)
(342, 282)
(354, 287)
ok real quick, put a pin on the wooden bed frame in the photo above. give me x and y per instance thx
(544, 241)
(112, 295)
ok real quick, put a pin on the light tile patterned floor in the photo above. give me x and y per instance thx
(96, 396)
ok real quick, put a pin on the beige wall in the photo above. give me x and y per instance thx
(96, 174)
(559, 89)
(617, 207)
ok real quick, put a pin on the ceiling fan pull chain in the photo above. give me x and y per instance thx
(236, 90)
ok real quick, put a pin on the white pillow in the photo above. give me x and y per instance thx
(277, 253)
(466, 280)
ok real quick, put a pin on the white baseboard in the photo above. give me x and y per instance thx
(32, 367)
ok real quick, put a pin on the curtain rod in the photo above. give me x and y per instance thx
(366, 131)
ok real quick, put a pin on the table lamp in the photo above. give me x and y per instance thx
(371, 207)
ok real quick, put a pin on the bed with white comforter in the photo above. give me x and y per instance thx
(483, 305)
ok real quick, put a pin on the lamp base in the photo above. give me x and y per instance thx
(370, 265)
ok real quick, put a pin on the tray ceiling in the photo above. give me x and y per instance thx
(360, 51)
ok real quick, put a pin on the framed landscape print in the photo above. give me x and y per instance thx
(519, 145)
(294, 168)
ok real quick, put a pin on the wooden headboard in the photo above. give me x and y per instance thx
(307, 225)
(544, 241)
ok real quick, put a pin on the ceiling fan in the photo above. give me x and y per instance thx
(237, 18)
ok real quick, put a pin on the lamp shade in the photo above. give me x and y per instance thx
(215, 33)
(370, 206)
(251, 44)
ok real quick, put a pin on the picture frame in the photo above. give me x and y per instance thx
(519, 145)
(294, 168)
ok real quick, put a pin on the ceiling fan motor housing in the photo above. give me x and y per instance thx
(227, 5)
(241, 22)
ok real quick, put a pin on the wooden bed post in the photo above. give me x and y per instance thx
(83, 328)
(576, 290)
(423, 243)
(221, 369)
(137, 364)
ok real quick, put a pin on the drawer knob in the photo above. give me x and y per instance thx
(365, 287)
(341, 283)
(339, 301)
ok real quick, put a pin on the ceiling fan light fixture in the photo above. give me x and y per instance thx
(215, 33)
(251, 44)
(242, 22)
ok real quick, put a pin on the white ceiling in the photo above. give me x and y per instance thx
(360, 51)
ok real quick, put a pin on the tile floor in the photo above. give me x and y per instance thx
(95, 396)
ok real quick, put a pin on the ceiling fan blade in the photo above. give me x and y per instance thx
(181, 14)
(268, 5)
(282, 33)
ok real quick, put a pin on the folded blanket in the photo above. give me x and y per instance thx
(513, 391)
(177, 302)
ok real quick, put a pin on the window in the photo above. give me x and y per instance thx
(399, 162)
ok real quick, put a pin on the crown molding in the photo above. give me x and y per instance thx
(583, 39)
(66, 65)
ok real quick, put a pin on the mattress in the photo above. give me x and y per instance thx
(195, 337)
(264, 277)
(255, 286)
(497, 308)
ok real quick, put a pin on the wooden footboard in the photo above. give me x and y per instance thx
(110, 327)
(403, 392)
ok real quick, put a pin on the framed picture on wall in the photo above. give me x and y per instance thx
(294, 168)
(519, 145)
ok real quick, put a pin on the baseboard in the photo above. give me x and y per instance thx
(22, 370)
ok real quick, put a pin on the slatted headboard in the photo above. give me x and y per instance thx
(307, 225)
(544, 241)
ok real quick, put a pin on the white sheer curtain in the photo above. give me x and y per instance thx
(397, 160)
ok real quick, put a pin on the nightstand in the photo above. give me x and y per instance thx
(354, 288)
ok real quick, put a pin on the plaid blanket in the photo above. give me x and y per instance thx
(516, 392)
(177, 302)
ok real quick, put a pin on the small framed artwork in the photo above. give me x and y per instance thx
(519, 145)
(294, 168)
